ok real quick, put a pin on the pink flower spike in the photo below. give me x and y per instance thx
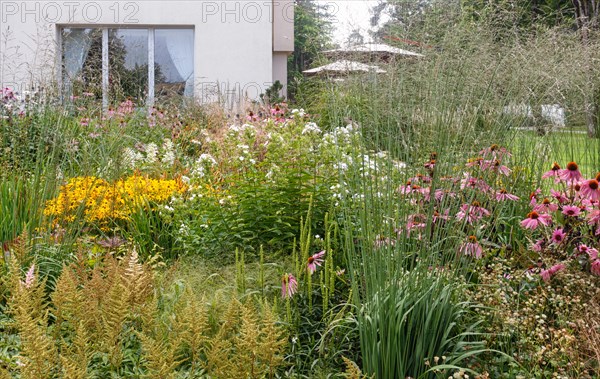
(571, 211)
(545, 274)
(314, 261)
(556, 268)
(595, 268)
(29, 277)
(571, 173)
(558, 236)
(289, 286)
(535, 219)
(472, 248)
(590, 189)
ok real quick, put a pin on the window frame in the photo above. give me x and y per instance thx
(150, 96)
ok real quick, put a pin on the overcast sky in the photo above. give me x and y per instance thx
(350, 15)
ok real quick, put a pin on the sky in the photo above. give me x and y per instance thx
(350, 15)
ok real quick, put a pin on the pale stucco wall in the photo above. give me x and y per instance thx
(235, 40)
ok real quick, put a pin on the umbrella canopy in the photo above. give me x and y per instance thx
(343, 67)
(372, 50)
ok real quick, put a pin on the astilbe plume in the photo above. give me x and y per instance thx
(38, 354)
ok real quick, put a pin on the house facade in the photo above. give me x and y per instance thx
(228, 51)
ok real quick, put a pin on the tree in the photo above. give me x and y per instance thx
(312, 28)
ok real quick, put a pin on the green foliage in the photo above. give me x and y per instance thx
(311, 36)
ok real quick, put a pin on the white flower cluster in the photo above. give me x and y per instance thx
(168, 156)
(298, 112)
(150, 155)
(311, 128)
(341, 136)
(131, 157)
(245, 128)
(202, 163)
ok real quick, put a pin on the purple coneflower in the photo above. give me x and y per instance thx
(571, 210)
(558, 236)
(595, 268)
(590, 251)
(535, 219)
(560, 196)
(472, 248)
(538, 246)
(553, 173)
(571, 173)
(314, 261)
(472, 212)
(591, 189)
(495, 151)
(496, 166)
(289, 286)
(546, 206)
(504, 195)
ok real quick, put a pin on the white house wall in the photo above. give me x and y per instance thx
(233, 55)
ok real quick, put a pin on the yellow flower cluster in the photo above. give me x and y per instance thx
(98, 200)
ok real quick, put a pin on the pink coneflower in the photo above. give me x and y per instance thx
(558, 236)
(289, 286)
(472, 212)
(443, 216)
(474, 162)
(591, 189)
(472, 248)
(559, 196)
(495, 166)
(314, 261)
(547, 274)
(381, 241)
(415, 221)
(441, 193)
(535, 219)
(590, 251)
(538, 246)
(571, 210)
(495, 151)
(504, 195)
(474, 183)
(430, 165)
(553, 173)
(595, 267)
(546, 206)
(405, 189)
(533, 197)
(593, 217)
(571, 173)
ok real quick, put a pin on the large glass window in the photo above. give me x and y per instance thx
(137, 64)
(174, 63)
